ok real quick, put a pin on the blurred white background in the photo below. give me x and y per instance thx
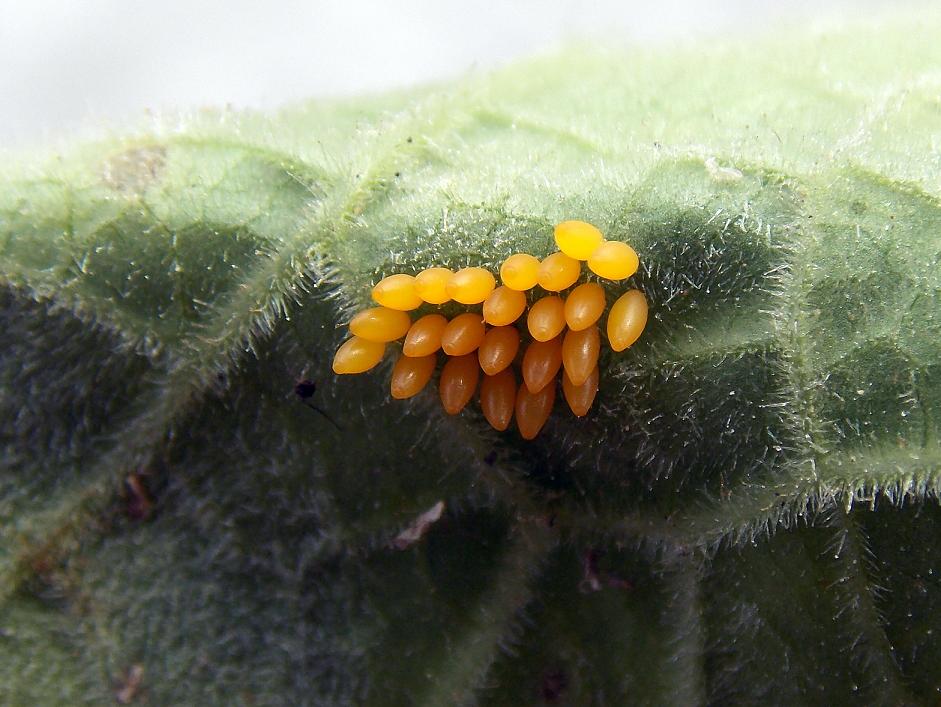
(67, 65)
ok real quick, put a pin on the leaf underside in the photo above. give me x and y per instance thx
(748, 515)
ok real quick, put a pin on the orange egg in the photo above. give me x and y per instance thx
(627, 319)
(546, 318)
(558, 272)
(458, 382)
(520, 272)
(380, 324)
(533, 409)
(580, 351)
(498, 398)
(397, 292)
(471, 285)
(504, 306)
(577, 239)
(498, 349)
(463, 334)
(357, 355)
(541, 363)
(614, 260)
(584, 306)
(424, 336)
(432, 285)
(580, 397)
(410, 374)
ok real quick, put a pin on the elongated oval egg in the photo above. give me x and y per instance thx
(380, 324)
(541, 363)
(546, 318)
(397, 292)
(498, 349)
(520, 272)
(584, 306)
(498, 398)
(410, 374)
(432, 285)
(558, 272)
(533, 409)
(614, 260)
(463, 334)
(471, 285)
(357, 355)
(504, 306)
(580, 350)
(577, 239)
(580, 397)
(424, 336)
(458, 382)
(627, 319)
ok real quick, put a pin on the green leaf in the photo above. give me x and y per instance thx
(749, 514)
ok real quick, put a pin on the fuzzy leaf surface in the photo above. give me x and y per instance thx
(749, 514)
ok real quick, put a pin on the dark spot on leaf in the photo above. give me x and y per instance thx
(553, 685)
(42, 565)
(305, 389)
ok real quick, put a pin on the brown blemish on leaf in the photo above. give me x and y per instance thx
(413, 533)
(139, 501)
(130, 685)
(593, 580)
(132, 171)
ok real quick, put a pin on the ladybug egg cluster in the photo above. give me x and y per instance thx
(562, 334)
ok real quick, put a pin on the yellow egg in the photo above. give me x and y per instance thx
(410, 374)
(432, 285)
(627, 319)
(546, 318)
(498, 398)
(541, 363)
(458, 382)
(397, 292)
(498, 349)
(533, 409)
(580, 350)
(380, 324)
(463, 334)
(520, 272)
(577, 239)
(613, 260)
(584, 306)
(424, 337)
(558, 271)
(357, 355)
(580, 397)
(471, 285)
(504, 306)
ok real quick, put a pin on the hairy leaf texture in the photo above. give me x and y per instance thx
(748, 515)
